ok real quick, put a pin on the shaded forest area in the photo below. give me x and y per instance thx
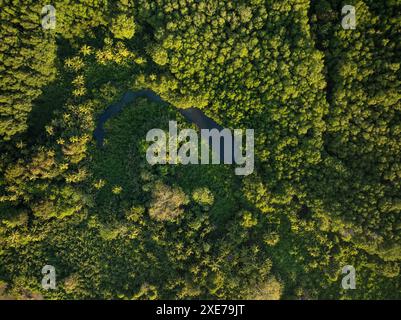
(325, 104)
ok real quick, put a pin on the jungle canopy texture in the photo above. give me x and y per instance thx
(325, 104)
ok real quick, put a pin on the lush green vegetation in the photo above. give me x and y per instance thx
(325, 104)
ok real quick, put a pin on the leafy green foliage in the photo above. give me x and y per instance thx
(325, 106)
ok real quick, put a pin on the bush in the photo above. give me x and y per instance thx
(167, 202)
(269, 290)
(123, 27)
(203, 196)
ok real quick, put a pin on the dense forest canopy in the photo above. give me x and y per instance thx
(325, 105)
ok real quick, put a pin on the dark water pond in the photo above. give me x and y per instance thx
(193, 115)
